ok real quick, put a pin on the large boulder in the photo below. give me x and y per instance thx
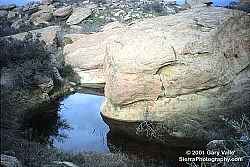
(78, 15)
(85, 54)
(186, 71)
(63, 11)
(41, 17)
(91, 78)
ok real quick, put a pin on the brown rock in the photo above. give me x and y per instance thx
(88, 50)
(128, 88)
(202, 58)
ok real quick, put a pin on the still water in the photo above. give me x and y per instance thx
(87, 130)
(74, 124)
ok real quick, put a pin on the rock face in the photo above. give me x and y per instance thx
(41, 17)
(188, 70)
(63, 12)
(86, 52)
(78, 15)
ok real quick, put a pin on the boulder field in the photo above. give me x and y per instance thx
(189, 72)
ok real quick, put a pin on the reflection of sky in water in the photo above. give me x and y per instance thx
(18, 2)
(88, 133)
(216, 2)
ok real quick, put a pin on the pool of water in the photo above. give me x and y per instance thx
(74, 124)
(87, 131)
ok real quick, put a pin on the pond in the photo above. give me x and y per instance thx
(74, 124)
(87, 131)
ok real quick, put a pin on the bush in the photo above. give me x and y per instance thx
(24, 59)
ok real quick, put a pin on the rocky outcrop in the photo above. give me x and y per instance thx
(78, 15)
(43, 16)
(188, 70)
(85, 54)
(63, 11)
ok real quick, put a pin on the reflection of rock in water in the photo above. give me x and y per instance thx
(158, 155)
(42, 125)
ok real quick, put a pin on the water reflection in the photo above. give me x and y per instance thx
(74, 124)
(88, 133)
(42, 125)
(151, 153)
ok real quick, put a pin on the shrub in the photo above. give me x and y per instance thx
(24, 58)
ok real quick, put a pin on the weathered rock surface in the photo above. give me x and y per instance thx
(191, 68)
(78, 15)
(42, 16)
(9, 161)
(88, 50)
(91, 78)
(63, 11)
(85, 54)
